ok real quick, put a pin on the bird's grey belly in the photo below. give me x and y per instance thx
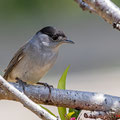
(30, 70)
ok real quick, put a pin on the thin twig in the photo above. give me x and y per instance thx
(102, 115)
(21, 97)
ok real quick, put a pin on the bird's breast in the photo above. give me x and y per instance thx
(34, 66)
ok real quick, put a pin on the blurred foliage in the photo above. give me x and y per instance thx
(9, 8)
(15, 7)
(117, 2)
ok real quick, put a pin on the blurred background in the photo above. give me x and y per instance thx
(94, 59)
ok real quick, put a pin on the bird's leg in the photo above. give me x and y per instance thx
(46, 85)
(21, 85)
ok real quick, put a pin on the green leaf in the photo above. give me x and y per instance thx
(62, 81)
(76, 112)
(69, 115)
(62, 85)
(47, 110)
(62, 112)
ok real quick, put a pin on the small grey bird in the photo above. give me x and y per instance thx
(33, 60)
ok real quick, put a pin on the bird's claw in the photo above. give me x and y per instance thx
(46, 85)
(21, 84)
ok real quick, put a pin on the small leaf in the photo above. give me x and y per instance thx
(76, 112)
(62, 81)
(69, 115)
(48, 110)
(62, 85)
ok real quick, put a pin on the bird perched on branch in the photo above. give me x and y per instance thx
(33, 60)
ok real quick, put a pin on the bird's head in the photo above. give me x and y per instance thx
(50, 37)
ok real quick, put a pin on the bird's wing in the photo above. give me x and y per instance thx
(15, 60)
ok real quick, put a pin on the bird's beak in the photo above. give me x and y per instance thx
(68, 41)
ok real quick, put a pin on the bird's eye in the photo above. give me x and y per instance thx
(55, 37)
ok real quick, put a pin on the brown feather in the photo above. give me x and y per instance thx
(15, 60)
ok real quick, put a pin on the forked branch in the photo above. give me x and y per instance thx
(10, 91)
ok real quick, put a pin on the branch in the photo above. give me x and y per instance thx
(98, 114)
(106, 9)
(85, 6)
(21, 97)
(64, 98)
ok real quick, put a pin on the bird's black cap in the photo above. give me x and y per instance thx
(51, 32)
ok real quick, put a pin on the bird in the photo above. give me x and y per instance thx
(36, 57)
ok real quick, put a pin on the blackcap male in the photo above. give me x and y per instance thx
(33, 60)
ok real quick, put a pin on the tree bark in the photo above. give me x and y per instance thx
(66, 98)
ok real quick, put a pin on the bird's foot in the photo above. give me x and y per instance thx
(21, 85)
(46, 85)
